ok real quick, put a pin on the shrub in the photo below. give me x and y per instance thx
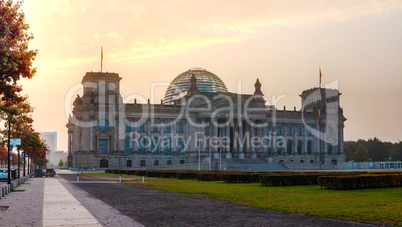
(210, 176)
(360, 182)
(186, 175)
(287, 180)
(241, 178)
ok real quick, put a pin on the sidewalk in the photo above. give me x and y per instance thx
(60, 208)
(24, 207)
(57, 202)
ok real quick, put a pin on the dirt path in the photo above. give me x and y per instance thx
(153, 207)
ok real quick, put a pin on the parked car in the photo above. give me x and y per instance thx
(4, 174)
(51, 171)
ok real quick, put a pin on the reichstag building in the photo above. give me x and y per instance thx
(200, 124)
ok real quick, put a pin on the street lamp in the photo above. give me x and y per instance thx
(9, 151)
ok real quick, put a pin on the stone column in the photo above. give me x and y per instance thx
(253, 151)
(295, 140)
(341, 140)
(304, 131)
(174, 138)
(241, 149)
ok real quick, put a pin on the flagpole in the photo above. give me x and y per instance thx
(101, 58)
(319, 119)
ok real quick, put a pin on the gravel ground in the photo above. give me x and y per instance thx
(158, 208)
(25, 208)
(105, 214)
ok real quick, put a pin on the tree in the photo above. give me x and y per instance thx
(378, 150)
(361, 154)
(66, 163)
(16, 58)
(348, 154)
(396, 152)
(61, 163)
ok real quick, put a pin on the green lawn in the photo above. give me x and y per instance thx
(375, 206)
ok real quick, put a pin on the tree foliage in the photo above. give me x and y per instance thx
(16, 58)
(396, 152)
(377, 150)
(61, 163)
(361, 154)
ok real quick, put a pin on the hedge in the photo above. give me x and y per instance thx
(241, 178)
(360, 182)
(187, 175)
(287, 180)
(210, 176)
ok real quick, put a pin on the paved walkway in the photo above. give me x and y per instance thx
(56, 202)
(60, 208)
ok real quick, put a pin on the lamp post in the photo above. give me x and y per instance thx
(8, 150)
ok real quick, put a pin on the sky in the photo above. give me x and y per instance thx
(357, 44)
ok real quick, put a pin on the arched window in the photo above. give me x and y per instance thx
(166, 145)
(329, 148)
(299, 146)
(268, 144)
(127, 146)
(102, 125)
(180, 145)
(278, 148)
(154, 145)
(289, 146)
(141, 145)
(309, 147)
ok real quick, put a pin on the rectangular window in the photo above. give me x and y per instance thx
(127, 146)
(128, 127)
(181, 128)
(142, 128)
(289, 131)
(129, 163)
(104, 163)
(299, 131)
(181, 161)
(142, 163)
(268, 130)
(156, 162)
(103, 146)
(167, 128)
(155, 128)
(278, 130)
(299, 146)
(309, 147)
(169, 162)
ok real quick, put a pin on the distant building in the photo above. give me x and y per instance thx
(55, 156)
(51, 139)
(200, 120)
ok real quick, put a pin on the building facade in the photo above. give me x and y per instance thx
(200, 121)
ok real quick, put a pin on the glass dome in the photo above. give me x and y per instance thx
(206, 82)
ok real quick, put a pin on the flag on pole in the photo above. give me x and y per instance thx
(219, 140)
(319, 115)
(102, 58)
(320, 76)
